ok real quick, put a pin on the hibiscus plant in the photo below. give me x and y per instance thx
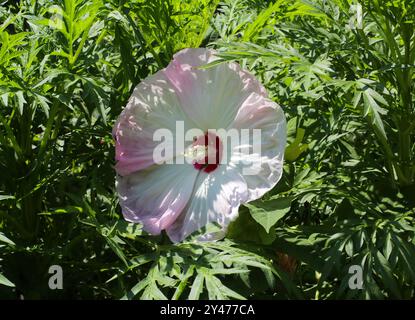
(87, 85)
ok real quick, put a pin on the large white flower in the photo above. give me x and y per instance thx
(182, 198)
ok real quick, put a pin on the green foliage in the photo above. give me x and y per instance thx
(345, 81)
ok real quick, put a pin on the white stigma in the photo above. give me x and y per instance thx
(196, 153)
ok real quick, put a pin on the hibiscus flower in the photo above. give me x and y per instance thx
(182, 197)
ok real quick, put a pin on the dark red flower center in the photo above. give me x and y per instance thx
(211, 148)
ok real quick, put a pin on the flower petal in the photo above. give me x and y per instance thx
(152, 106)
(210, 96)
(260, 171)
(215, 199)
(157, 195)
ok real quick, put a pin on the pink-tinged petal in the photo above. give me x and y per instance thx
(215, 199)
(156, 196)
(211, 96)
(153, 105)
(263, 170)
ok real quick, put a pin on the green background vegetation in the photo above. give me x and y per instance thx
(347, 196)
